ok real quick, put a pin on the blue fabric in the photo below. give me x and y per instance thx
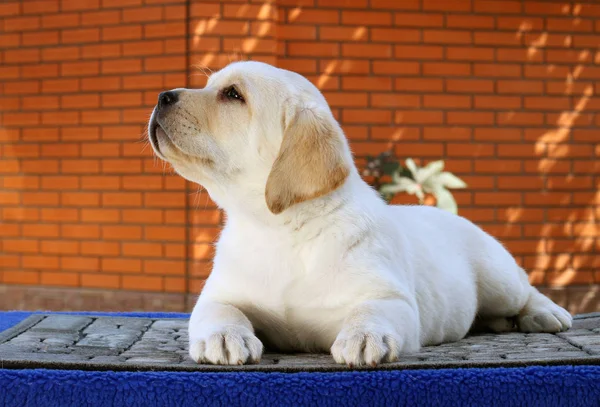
(533, 386)
(577, 386)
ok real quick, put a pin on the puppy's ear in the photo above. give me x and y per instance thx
(312, 161)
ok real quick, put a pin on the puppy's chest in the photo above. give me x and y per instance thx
(292, 307)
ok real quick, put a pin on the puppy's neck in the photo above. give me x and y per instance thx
(247, 205)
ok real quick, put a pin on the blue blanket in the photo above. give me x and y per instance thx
(532, 386)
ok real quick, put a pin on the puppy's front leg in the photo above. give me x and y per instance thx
(376, 331)
(222, 335)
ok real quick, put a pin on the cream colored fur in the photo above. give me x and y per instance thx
(310, 258)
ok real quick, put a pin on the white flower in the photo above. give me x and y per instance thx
(429, 179)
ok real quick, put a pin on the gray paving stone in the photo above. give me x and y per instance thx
(65, 341)
(62, 323)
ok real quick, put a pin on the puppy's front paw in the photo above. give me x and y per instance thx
(356, 347)
(228, 345)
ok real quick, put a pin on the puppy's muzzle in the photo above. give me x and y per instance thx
(155, 130)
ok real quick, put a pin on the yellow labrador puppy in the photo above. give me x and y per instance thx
(310, 258)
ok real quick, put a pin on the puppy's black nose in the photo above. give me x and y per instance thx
(167, 98)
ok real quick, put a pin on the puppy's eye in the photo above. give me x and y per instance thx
(232, 93)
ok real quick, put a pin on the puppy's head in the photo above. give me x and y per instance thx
(256, 127)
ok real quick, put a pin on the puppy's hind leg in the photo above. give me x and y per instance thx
(503, 295)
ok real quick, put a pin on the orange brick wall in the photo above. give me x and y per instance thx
(504, 91)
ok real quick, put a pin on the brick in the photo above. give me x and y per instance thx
(519, 55)
(444, 133)
(366, 116)
(59, 215)
(149, 216)
(121, 99)
(418, 19)
(40, 262)
(497, 70)
(39, 71)
(39, 103)
(447, 37)
(164, 30)
(367, 51)
(463, 118)
(164, 64)
(497, 102)
(96, 18)
(121, 66)
(469, 21)
(520, 118)
(101, 117)
(135, 48)
(59, 278)
(80, 101)
(100, 280)
(60, 247)
(79, 68)
(470, 54)
(40, 198)
(68, 5)
(146, 283)
(40, 38)
(100, 248)
(80, 231)
(366, 83)
(142, 14)
(520, 86)
(447, 101)
(519, 24)
(21, 277)
(122, 32)
(21, 23)
(418, 117)
(366, 18)
(100, 215)
(497, 6)
(61, 54)
(80, 199)
(418, 84)
(121, 199)
(121, 232)
(61, 20)
(497, 198)
(313, 49)
(316, 16)
(441, 5)
(497, 134)
(104, 83)
(393, 100)
(469, 86)
(60, 118)
(470, 150)
(100, 51)
(164, 233)
(142, 249)
(164, 267)
(21, 55)
(395, 35)
(163, 200)
(418, 52)
(81, 35)
(344, 66)
(498, 166)
(446, 69)
(293, 32)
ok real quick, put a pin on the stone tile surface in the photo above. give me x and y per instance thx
(98, 342)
